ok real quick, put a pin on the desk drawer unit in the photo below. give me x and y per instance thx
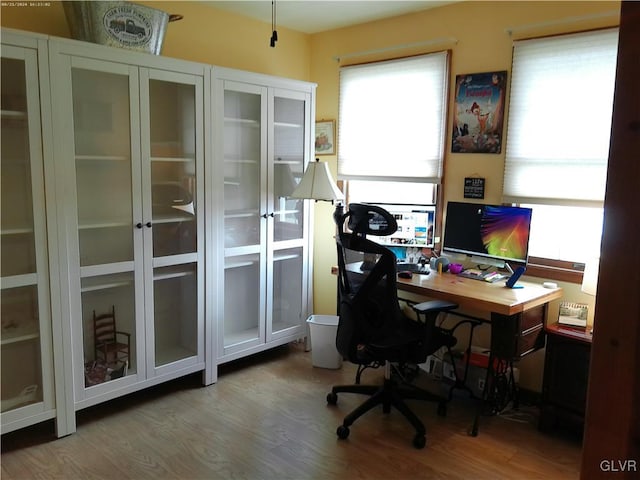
(514, 336)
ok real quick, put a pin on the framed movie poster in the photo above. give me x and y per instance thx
(479, 112)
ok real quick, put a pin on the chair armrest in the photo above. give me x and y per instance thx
(434, 306)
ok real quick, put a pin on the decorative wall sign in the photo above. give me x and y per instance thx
(325, 137)
(473, 187)
(479, 112)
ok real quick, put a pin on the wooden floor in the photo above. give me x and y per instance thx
(267, 418)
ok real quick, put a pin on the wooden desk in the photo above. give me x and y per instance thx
(518, 315)
(480, 295)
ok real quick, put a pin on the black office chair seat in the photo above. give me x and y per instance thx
(402, 347)
(373, 331)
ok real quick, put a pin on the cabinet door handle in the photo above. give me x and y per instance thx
(139, 225)
(148, 224)
(272, 214)
(264, 215)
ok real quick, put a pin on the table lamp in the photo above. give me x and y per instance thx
(317, 184)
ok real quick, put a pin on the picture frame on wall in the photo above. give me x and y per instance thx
(478, 114)
(325, 137)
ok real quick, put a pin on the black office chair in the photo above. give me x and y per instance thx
(373, 331)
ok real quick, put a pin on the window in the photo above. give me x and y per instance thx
(392, 120)
(558, 139)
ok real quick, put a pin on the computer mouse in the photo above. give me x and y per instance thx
(405, 274)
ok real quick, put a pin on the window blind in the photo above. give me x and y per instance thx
(560, 119)
(392, 119)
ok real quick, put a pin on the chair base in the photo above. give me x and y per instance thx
(389, 394)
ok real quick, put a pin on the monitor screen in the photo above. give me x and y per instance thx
(415, 225)
(489, 231)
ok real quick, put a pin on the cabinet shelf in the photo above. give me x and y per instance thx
(249, 161)
(172, 275)
(235, 338)
(240, 214)
(245, 122)
(98, 225)
(283, 160)
(102, 158)
(166, 355)
(13, 115)
(17, 281)
(104, 286)
(173, 218)
(238, 265)
(17, 231)
(28, 395)
(24, 332)
(279, 258)
(173, 159)
(287, 125)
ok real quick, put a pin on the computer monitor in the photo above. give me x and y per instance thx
(490, 234)
(416, 224)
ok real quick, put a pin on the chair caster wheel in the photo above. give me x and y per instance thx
(343, 432)
(442, 409)
(332, 398)
(419, 441)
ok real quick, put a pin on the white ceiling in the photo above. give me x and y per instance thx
(313, 16)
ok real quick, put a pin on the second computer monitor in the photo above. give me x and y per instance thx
(416, 224)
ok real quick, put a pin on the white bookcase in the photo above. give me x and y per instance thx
(106, 157)
(129, 145)
(27, 340)
(263, 138)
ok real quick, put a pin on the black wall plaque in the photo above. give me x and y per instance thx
(473, 187)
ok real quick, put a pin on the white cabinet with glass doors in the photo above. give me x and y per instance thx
(27, 338)
(263, 141)
(130, 154)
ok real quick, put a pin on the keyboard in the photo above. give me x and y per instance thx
(475, 274)
(413, 268)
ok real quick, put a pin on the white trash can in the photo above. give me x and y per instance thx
(322, 332)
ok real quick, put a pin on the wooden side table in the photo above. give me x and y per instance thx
(566, 375)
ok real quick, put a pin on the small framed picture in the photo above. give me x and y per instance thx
(326, 137)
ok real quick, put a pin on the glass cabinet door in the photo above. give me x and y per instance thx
(288, 166)
(174, 148)
(173, 167)
(105, 167)
(102, 127)
(288, 284)
(25, 334)
(243, 305)
(244, 154)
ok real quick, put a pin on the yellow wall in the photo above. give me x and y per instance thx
(204, 35)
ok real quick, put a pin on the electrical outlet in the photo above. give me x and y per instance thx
(481, 384)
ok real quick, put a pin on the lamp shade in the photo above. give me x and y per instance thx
(590, 276)
(317, 184)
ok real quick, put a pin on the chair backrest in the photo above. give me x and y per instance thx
(367, 291)
(104, 327)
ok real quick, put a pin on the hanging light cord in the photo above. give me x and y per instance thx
(274, 34)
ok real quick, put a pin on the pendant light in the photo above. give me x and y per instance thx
(274, 34)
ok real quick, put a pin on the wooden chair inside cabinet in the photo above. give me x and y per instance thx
(110, 345)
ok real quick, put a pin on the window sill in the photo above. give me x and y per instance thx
(555, 270)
